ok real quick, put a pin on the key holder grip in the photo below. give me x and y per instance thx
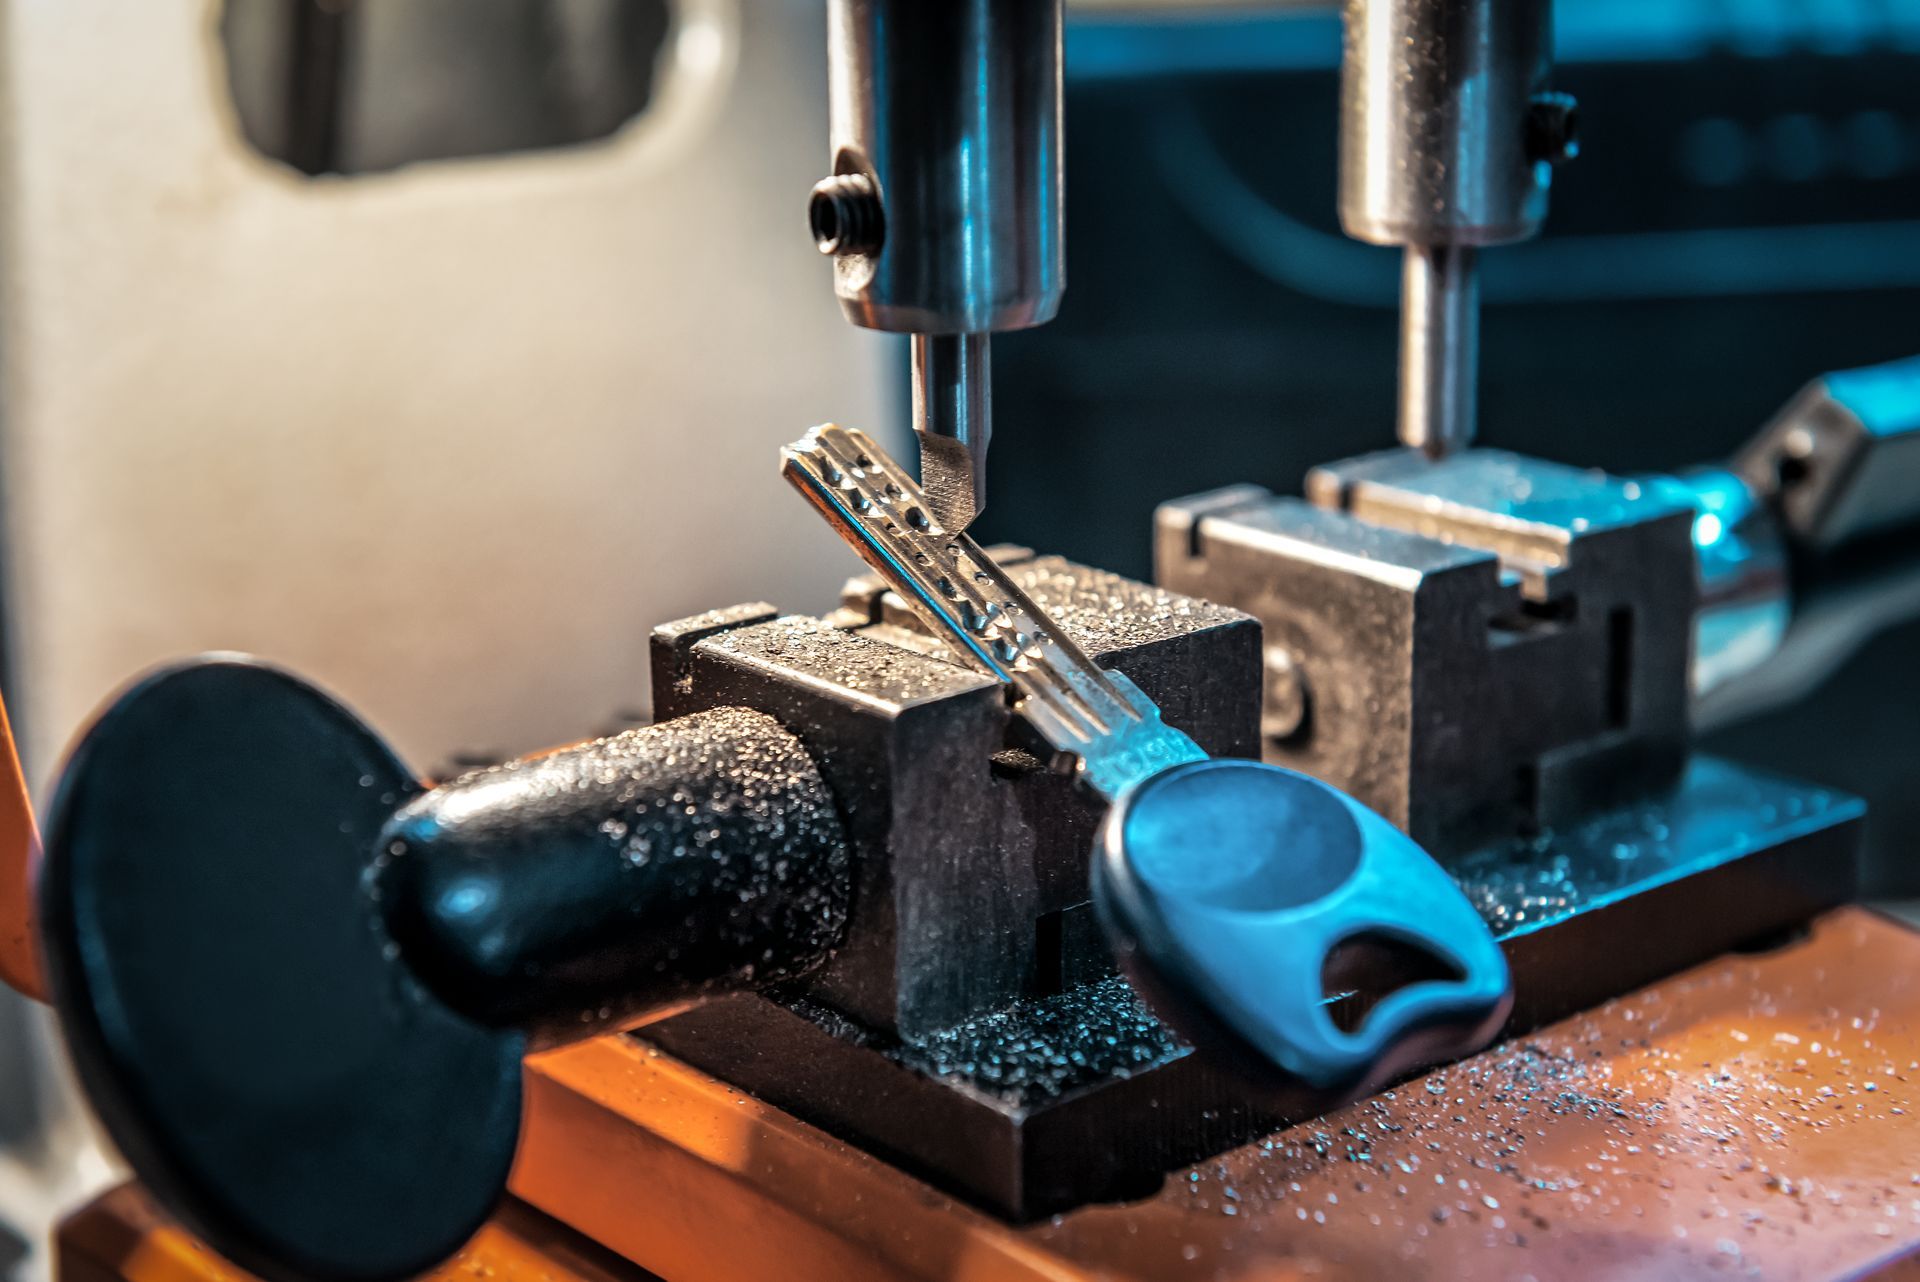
(1225, 886)
(297, 986)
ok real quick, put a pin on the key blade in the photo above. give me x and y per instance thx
(821, 476)
(954, 587)
(1137, 749)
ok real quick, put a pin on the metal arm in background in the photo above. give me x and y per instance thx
(1805, 540)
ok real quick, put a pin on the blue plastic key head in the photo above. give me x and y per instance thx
(1225, 885)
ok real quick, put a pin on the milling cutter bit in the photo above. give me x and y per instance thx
(952, 416)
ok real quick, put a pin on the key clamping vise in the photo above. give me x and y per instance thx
(298, 983)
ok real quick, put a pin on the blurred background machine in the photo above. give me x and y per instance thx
(1741, 217)
(1220, 331)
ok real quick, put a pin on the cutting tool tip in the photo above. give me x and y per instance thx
(954, 479)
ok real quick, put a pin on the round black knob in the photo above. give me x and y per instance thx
(297, 986)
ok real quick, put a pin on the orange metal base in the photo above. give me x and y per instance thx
(1756, 1117)
(123, 1237)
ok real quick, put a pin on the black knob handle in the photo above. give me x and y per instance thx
(566, 894)
(297, 986)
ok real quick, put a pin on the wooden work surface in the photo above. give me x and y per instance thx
(19, 853)
(1755, 1117)
(123, 1237)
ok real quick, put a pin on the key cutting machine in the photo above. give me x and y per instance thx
(815, 976)
(840, 871)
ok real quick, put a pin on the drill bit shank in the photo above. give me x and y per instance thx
(1439, 348)
(953, 417)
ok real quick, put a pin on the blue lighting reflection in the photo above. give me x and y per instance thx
(1885, 398)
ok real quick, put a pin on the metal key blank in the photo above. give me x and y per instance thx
(1223, 885)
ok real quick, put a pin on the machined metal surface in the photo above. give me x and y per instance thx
(1224, 886)
(1800, 540)
(953, 111)
(1842, 461)
(1037, 1107)
(971, 916)
(1496, 652)
(1729, 856)
(1491, 643)
(944, 211)
(1435, 99)
(1804, 539)
(1745, 592)
(1832, 616)
(973, 1033)
(970, 852)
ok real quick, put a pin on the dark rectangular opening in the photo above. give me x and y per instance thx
(1535, 618)
(1049, 946)
(1619, 667)
(1526, 797)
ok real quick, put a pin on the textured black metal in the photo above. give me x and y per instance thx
(905, 743)
(1729, 857)
(1498, 653)
(1034, 1108)
(1598, 852)
(205, 896)
(943, 1034)
(966, 845)
(1051, 1102)
(577, 891)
